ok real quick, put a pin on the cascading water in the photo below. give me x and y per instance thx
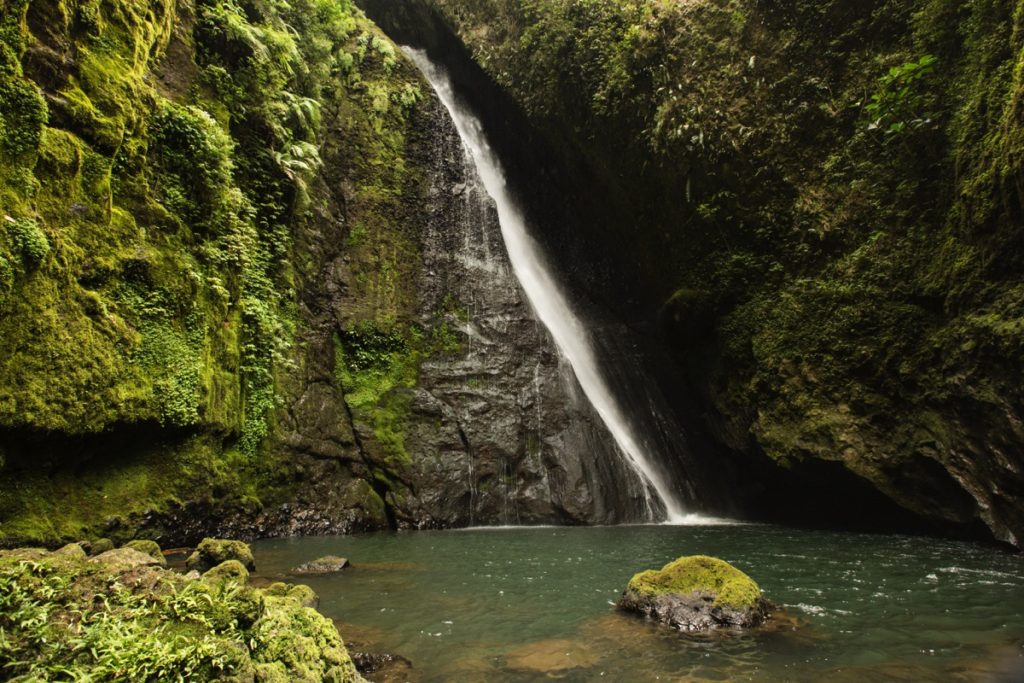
(545, 296)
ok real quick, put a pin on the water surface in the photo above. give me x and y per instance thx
(537, 604)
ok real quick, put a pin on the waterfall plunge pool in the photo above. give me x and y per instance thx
(528, 604)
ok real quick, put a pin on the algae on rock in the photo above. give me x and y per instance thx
(696, 593)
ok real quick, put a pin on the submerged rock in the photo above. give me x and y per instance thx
(214, 551)
(324, 565)
(696, 593)
(387, 665)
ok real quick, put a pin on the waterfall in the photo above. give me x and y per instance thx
(545, 296)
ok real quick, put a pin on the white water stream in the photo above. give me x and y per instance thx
(545, 296)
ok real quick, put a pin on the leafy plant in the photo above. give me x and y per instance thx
(899, 106)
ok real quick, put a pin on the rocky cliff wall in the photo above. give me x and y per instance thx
(249, 284)
(821, 205)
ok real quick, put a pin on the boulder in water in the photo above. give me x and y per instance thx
(214, 551)
(230, 570)
(696, 593)
(328, 564)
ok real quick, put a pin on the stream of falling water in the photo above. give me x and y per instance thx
(545, 296)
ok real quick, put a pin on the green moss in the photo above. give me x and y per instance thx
(213, 552)
(168, 171)
(29, 241)
(23, 114)
(125, 481)
(377, 370)
(100, 546)
(700, 573)
(152, 622)
(151, 548)
(303, 641)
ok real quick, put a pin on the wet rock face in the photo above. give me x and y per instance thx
(500, 431)
(494, 428)
(696, 594)
(694, 612)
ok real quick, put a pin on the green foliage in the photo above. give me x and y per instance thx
(194, 154)
(63, 618)
(376, 369)
(899, 107)
(169, 185)
(122, 638)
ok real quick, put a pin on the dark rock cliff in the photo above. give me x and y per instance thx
(251, 286)
(818, 203)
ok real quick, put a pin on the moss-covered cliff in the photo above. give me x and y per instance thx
(249, 286)
(215, 303)
(175, 179)
(822, 202)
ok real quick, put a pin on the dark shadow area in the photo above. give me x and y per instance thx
(819, 494)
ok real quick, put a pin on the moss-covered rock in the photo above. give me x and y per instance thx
(151, 548)
(696, 593)
(156, 239)
(153, 621)
(215, 551)
(230, 570)
(306, 596)
(126, 558)
(303, 641)
(100, 546)
(72, 550)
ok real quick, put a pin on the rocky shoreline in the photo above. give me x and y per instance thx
(120, 614)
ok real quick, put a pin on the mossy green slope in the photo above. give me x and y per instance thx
(841, 184)
(157, 162)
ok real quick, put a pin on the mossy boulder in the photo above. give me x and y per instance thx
(125, 558)
(302, 642)
(696, 593)
(306, 596)
(214, 551)
(73, 550)
(232, 570)
(151, 548)
(99, 546)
